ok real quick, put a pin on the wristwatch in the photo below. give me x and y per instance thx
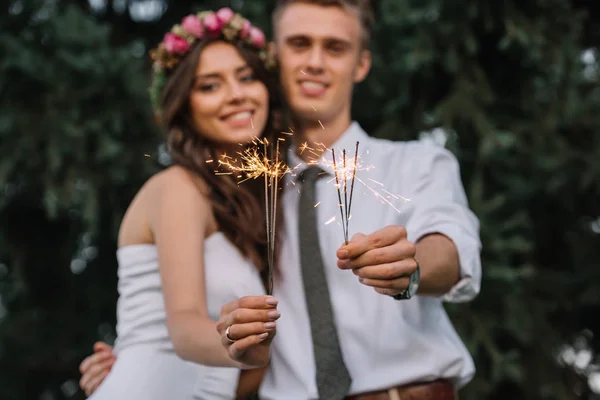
(413, 285)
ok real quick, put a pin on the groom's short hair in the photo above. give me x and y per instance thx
(362, 7)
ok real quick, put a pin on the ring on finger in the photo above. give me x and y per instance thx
(227, 335)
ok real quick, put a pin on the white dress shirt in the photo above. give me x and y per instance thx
(385, 342)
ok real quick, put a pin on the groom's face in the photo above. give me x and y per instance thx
(321, 57)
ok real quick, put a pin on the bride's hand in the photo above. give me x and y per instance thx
(247, 327)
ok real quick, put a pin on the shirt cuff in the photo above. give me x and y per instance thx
(469, 284)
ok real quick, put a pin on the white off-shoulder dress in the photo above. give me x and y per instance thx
(147, 367)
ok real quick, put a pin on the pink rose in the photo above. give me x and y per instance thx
(192, 25)
(175, 44)
(225, 14)
(245, 29)
(212, 23)
(257, 37)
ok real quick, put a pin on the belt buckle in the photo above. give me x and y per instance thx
(394, 394)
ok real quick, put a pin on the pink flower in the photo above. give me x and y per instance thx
(175, 44)
(212, 23)
(225, 14)
(245, 29)
(257, 37)
(192, 24)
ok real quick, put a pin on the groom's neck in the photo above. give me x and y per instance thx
(318, 134)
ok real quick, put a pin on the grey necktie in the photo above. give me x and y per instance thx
(333, 379)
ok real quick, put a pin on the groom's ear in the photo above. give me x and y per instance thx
(363, 66)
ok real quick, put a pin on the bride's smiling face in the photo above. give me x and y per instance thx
(228, 105)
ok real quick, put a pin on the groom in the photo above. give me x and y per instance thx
(366, 321)
(351, 327)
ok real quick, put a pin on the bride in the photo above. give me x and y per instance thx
(191, 241)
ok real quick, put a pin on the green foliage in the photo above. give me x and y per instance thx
(75, 128)
(507, 77)
(505, 81)
(74, 112)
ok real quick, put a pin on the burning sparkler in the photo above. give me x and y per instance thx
(344, 171)
(253, 165)
(346, 206)
(262, 160)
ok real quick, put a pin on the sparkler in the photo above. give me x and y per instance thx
(344, 171)
(253, 165)
(346, 206)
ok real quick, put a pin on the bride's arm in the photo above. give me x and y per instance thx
(179, 219)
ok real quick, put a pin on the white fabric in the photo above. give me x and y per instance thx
(147, 368)
(384, 342)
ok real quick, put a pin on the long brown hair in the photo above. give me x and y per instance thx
(237, 207)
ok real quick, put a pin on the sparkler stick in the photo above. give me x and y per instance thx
(253, 165)
(267, 209)
(268, 217)
(352, 185)
(345, 179)
(346, 206)
(273, 199)
(337, 184)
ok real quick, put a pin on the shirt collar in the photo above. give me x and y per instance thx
(347, 141)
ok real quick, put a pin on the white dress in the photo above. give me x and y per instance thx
(147, 367)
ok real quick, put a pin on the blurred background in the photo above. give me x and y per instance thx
(511, 87)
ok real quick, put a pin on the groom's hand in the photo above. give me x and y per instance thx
(95, 367)
(383, 260)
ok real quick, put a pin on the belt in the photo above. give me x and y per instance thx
(436, 390)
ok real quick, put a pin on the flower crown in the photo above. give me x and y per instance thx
(223, 24)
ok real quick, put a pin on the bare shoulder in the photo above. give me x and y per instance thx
(162, 196)
(178, 185)
(178, 178)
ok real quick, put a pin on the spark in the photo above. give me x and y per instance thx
(316, 205)
(146, 155)
(394, 196)
(321, 125)
(303, 147)
(330, 220)
(381, 197)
